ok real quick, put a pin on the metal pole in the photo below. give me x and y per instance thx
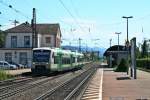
(70, 44)
(118, 47)
(34, 34)
(110, 42)
(127, 31)
(118, 42)
(79, 44)
(118, 38)
(127, 43)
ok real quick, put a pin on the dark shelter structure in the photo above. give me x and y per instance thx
(115, 53)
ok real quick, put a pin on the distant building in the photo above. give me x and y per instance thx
(18, 41)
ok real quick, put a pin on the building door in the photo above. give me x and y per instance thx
(8, 57)
(23, 58)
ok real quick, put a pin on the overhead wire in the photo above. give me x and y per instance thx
(75, 20)
(77, 14)
(117, 23)
(11, 7)
(102, 25)
(74, 8)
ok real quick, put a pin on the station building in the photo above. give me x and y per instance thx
(18, 41)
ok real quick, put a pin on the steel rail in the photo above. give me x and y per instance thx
(26, 87)
(19, 83)
(48, 93)
(78, 87)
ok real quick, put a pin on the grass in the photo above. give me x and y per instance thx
(4, 75)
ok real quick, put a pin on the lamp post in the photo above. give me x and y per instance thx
(110, 41)
(118, 38)
(118, 46)
(127, 43)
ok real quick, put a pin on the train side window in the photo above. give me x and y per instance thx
(78, 59)
(73, 59)
(66, 61)
(63, 61)
(56, 59)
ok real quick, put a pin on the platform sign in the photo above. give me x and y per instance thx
(133, 58)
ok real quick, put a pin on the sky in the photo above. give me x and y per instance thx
(94, 21)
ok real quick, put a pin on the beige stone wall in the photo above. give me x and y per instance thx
(15, 55)
(20, 39)
(43, 41)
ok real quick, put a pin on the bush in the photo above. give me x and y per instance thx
(143, 63)
(122, 67)
(4, 75)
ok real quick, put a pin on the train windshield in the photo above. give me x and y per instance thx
(41, 55)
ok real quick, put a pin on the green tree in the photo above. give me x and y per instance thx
(144, 49)
(2, 39)
(138, 53)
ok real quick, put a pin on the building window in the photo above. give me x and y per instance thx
(13, 41)
(8, 57)
(23, 58)
(26, 41)
(48, 40)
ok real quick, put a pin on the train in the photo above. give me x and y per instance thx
(46, 60)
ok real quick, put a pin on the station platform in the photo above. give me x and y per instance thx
(109, 85)
(94, 88)
(18, 71)
(127, 88)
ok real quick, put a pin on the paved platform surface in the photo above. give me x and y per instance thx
(94, 89)
(128, 89)
(18, 71)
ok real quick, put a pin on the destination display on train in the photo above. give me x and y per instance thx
(41, 56)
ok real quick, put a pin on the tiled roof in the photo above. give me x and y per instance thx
(41, 28)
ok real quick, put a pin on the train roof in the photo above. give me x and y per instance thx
(43, 48)
(60, 51)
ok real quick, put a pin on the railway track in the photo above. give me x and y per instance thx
(68, 88)
(18, 83)
(11, 90)
(19, 79)
(34, 89)
(12, 81)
